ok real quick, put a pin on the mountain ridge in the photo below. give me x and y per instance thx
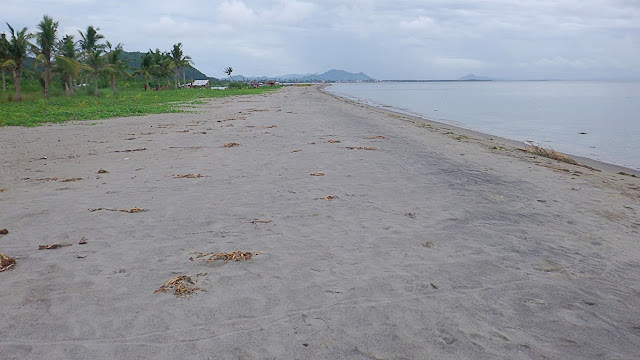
(331, 75)
(472, 77)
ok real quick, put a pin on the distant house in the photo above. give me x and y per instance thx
(201, 84)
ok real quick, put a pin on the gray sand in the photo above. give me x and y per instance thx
(437, 247)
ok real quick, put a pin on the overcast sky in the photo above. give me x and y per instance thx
(399, 39)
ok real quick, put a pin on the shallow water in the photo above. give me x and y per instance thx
(553, 114)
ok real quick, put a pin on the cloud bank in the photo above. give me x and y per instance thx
(401, 39)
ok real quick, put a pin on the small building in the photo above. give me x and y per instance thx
(199, 84)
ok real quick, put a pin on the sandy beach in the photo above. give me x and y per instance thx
(373, 235)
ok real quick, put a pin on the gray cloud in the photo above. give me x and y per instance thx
(566, 39)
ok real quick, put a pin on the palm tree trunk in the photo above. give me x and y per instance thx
(184, 75)
(47, 79)
(70, 85)
(114, 88)
(16, 84)
(4, 81)
(177, 75)
(96, 92)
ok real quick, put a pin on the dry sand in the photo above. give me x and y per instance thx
(438, 245)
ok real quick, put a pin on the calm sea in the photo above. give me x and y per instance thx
(550, 113)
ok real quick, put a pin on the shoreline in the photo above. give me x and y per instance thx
(601, 165)
(371, 234)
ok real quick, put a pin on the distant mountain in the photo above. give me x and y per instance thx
(341, 75)
(331, 75)
(471, 77)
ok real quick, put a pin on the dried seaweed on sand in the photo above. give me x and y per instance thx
(102, 171)
(361, 148)
(182, 285)
(131, 150)
(228, 145)
(376, 137)
(319, 173)
(334, 141)
(263, 221)
(4, 231)
(71, 179)
(6, 262)
(233, 255)
(328, 198)
(297, 150)
(188, 176)
(53, 246)
(131, 210)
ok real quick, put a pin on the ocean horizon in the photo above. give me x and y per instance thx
(593, 119)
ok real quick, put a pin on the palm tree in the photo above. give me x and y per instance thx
(64, 62)
(178, 62)
(115, 66)
(46, 40)
(67, 64)
(228, 71)
(146, 68)
(90, 39)
(186, 63)
(70, 69)
(161, 64)
(93, 53)
(17, 50)
(4, 56)
(175, 64)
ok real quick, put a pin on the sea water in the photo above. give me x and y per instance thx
(599, 120)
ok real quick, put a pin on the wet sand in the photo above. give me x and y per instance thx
(441, 243)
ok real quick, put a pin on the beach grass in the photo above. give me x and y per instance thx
(550, 153)
(132, 102)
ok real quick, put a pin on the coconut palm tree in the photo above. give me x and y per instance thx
(115, 65)
(93, 53)
(46, 39)
(161, 65)
(17, 50)
(4, 56)
(228, 71)
(90, 39)
(178, 62)
(146, 69)
(70, 69)
(67, 64)
(176, 59)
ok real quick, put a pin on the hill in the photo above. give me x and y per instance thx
(329, 76)
(472, 77)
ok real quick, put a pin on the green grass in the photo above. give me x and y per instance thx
(34, 110)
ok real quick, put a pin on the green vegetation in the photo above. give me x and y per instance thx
(67, 64)
(47, 74)
(129, 102)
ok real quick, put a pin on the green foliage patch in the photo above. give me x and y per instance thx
(127, 103)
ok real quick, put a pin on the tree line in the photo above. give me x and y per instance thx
(91, 56)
